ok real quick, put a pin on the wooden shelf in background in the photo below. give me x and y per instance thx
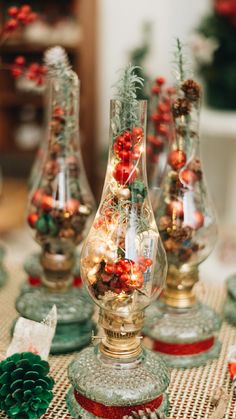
(13, 201)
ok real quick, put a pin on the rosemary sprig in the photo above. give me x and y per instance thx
(126, 93)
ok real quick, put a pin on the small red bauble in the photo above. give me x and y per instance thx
(198, 219)
(124, 155)
(120, 140)
(37, 197)
(125, 172)
(16, 72)
(72, 205)
(47, 202)
(117, 148)
(163, 129)
(20, 60)
(128, 145)
(188, 177)
(163, 107)
(136, 152)
(137, 134)
(127, 136)
(177, 159)
(32, 219)
(175, 208)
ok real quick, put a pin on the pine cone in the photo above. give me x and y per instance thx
(191, 90)
(180, 107)
(145, 414)
(25, 387)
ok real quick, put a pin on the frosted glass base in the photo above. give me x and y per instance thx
(74, 311)
(185, 338)
(115, 383)
(229, 310)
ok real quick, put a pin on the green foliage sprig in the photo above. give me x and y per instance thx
(126, 92)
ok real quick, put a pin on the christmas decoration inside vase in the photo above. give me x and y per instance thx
(182, 329)
(123, 265)
(32, 264)
(60, 211)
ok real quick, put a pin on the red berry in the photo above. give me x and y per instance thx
(155, 90)
(125, 277)
(163, 107)
(32, 17)
(127, 145)
(117, 148)
(160, 80)
(155, 117)
(11, 25)
(12, 11)
(136, 152)
(120, 140)
(37, 197)
(110, 268)
(22, 17)
(171, 90)
(188, 177)
(32, 219)
(16, 72)
(163, 129)
(177, 159)
(127, 136)
(156, 142)
(175, 208)
(58, 111)
(125, 172)
(148, 262)
(25, 9)
(119, 269)
(166, 117)
(20, 60)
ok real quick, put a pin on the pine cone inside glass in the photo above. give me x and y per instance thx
(25, 387)
(145, 414)
(191, 89)
(181, 107)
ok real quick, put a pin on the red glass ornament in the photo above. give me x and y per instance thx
(125, 172)
(177, 159)
(32, 219)
(175, 208)
(188, 177)
(155, 90)
(124, 155)
(127, 136)
(77, 281)
(37, 198)
(47, 202)
(136, 153)
(128, 145)
(137, 134)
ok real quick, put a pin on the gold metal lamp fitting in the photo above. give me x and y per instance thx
(57, 270)
(121, 338)
(179, 292)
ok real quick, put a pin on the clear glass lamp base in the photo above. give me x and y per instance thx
(185, 338)
(74, 311)
(106, 388)
(229, 310)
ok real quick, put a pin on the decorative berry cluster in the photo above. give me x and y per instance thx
(19, 16)
(122, 276)
(35, 72)
(160, 120)
(127, 149)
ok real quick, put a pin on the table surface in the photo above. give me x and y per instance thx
(190, 390)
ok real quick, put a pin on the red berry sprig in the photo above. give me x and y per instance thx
(19, 16)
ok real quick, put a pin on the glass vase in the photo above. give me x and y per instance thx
(229, 309)
(60, 212)
(182, 329)
(123, 265)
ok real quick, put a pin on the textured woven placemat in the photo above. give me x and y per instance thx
(190, 391)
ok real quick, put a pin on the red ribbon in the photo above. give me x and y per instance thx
(183, 348)
(115, 412)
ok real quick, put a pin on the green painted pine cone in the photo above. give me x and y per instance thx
(25, 387)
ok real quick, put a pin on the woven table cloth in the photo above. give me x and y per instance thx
(190, 391)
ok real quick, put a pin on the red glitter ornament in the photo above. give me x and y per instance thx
(125, 172)
(177, 159)
(175, 208)
(37, 197)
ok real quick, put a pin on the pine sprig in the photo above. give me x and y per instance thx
(126, 94)
(181, 62)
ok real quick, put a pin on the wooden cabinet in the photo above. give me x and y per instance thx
(14, 102)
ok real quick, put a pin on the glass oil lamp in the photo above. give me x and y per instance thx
(182, 329)
(60, 211)
(123, 265)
